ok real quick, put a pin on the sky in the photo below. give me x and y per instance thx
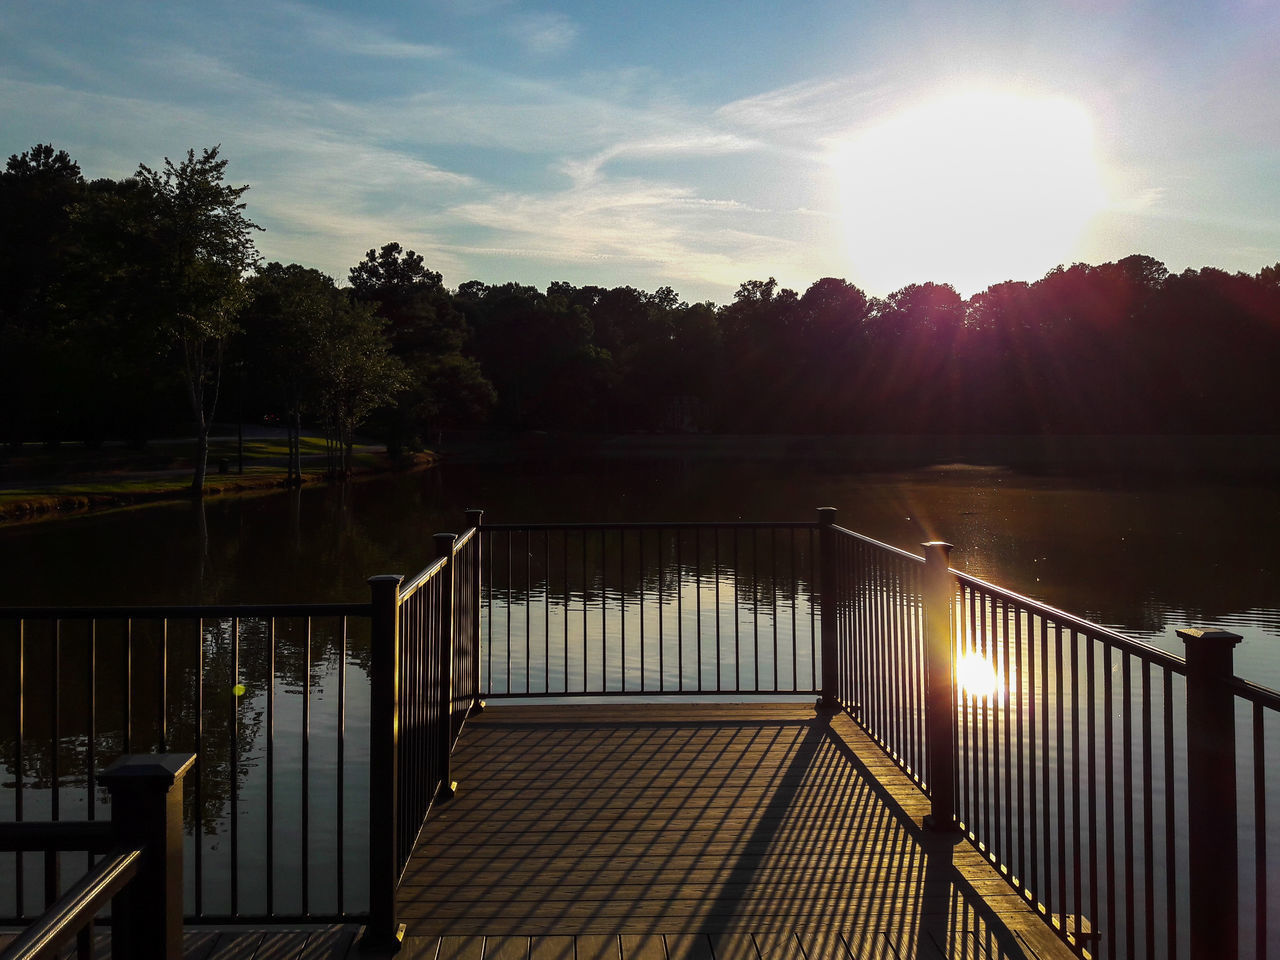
(690, 144)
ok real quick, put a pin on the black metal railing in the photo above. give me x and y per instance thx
(424, 676)
(259, 693)
(1096, 772)
(649, 608)
(135, 865)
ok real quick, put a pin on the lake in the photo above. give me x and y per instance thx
(1145, 556)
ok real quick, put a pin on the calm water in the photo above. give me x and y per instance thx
(1144, 557)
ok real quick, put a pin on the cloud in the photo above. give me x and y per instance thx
(353, 37)
(543, 34)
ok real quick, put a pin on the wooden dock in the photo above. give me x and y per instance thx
(702, 831)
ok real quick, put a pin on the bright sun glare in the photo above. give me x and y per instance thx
(971, 189)
(976, 675)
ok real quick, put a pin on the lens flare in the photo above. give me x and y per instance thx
(976, 675)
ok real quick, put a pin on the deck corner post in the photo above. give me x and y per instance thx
(475, 519)
(940, 701)
(146, 811)
(1211, 792)
(383, 933)
(830, 700)
(448, 643)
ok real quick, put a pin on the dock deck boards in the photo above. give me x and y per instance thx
(757, 830)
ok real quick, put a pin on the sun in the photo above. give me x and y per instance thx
(970, 188)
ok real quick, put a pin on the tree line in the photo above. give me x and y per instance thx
(129, 307)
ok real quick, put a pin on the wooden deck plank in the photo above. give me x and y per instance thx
(597, 947)
(461, 948)
(643, 947)
(236, 946)
(734, 946)
(506, 948)
(335, 943)
(688, 946)
(686, 820)
(551, 948)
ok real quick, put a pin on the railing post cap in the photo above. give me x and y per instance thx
(167, 768)
(937, 548)
(826, 516)
(397, 578)
(1209, 637)
(445, 536)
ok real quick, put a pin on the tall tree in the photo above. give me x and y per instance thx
(201, 247)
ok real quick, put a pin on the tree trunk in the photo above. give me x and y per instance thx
(202, 459)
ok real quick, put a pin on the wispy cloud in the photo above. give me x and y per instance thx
(349, 36)
(543, 34)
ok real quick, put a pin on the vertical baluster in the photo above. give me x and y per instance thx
(1077, 857)
(1170, 829)
(679, 538)
(19, 761)
(755, 604)
(235, 767)
(1091, 781)
(198, 835)
(1046, 679)
(697, 595)
(1033, 836)
(604, 612)
(622, 605)
(306, 768)
(91, 743)
(1259, 835)
(1126, 725)
(1148, 815)
(164, 685)
(715, 572)
(271, 764)
(1110, 921)
(773, 603)
(546, 610)
(642, 568)
(1019, 773)
(528, 621)
(795, 640)
(1008, 744)
(342, 742)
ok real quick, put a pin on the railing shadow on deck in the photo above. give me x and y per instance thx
(716, 824)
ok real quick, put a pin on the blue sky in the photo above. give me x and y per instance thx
(690, 144)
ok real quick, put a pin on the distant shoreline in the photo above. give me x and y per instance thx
(1216, 456)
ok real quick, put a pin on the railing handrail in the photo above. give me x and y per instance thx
(77, 907)
(1256, 693)
(190, 612)
(657, 525)
(1138, 648)
(414, 584)
(904, 554)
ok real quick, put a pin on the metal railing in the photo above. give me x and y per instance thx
(1097, 773)
(138, 872)
(649, 608)
(424, 677)
(258, 692)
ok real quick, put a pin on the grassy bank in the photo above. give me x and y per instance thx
(38, 482)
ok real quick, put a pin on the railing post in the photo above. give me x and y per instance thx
(830, 700)
(146, 810)
(475, 519)
(383, 933)
(1211, 793)
(444, 548)
(940, 701)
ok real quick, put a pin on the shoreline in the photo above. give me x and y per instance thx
(76, 496)
(1174, 457)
